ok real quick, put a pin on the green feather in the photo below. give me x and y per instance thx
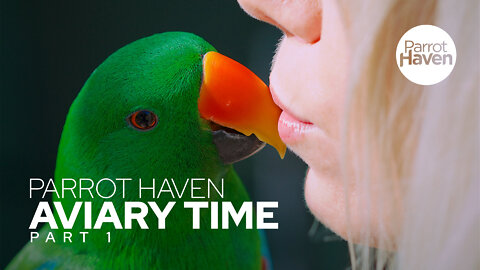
(161, 73)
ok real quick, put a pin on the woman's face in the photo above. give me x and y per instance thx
(308, 81)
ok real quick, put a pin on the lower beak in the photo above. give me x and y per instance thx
(233, 97)
(234, 146)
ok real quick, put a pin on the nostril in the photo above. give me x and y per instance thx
(306, 32)
(276, 24)
(299, 19)
(316, 39)
(265, 11)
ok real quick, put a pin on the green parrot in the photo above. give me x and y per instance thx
(165, 106)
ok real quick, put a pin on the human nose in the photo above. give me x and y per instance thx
(299, 18)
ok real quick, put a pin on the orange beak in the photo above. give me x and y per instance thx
(234, 97)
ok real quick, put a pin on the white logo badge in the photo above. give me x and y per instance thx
(426, 54)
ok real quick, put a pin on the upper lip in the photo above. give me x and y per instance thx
(283, 107)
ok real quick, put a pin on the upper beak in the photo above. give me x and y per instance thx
(232, 96)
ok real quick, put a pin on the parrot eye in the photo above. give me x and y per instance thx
(143, 119)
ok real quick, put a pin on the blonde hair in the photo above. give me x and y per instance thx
(417, 143)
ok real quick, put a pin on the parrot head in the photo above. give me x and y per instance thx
(164, 104)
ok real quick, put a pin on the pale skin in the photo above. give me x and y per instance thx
(309, 80)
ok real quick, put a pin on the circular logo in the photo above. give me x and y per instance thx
(426, 54)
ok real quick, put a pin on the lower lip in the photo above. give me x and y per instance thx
(291, 129)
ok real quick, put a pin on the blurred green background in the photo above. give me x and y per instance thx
(48, 50)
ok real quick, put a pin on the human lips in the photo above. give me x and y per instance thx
(290, 128)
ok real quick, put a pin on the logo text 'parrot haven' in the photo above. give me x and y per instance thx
(426, 54)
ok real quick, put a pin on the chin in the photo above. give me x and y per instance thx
(325, 198)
